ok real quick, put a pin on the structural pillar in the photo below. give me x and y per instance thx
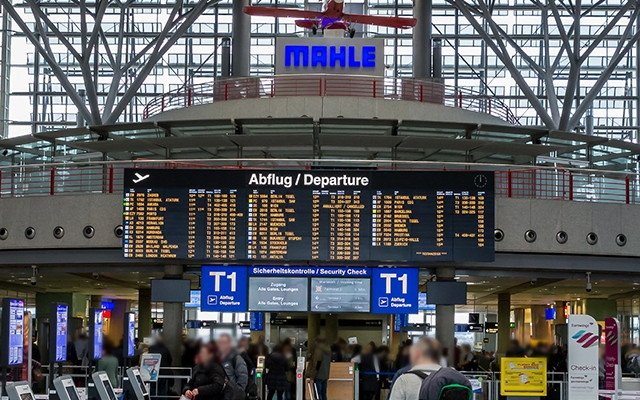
(445, 317)
(437, 59)
(539, 324)
(313, 331)
(173, 318)
(504, 322)
(95, 301)
(331, 328)
(422, 12)
(240, 39)
(144, 313)
(225, 62)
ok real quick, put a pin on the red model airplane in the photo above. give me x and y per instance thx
(332, 16)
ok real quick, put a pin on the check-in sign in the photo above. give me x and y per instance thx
(224, 289)
(394, 290)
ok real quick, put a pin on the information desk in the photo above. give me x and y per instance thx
(324, 216)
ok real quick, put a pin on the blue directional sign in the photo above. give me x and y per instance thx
(400, 321)
(256, 321)
(394, 290)
(224, 289)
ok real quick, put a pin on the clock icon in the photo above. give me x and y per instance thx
(480, 181)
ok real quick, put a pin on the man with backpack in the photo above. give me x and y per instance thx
(427, 380)
(232, 362)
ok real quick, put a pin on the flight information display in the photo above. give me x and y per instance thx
(320, 216)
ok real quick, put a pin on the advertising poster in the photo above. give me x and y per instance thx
(523, 377)
(150, 366)
(131, 334)
(612, 357)
(26, 344)
(583, 357)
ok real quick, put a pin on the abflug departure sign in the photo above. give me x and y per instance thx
(307, 179)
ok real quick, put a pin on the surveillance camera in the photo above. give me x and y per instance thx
(33, 281)
(95, 275)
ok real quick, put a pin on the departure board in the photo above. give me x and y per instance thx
(314, 216)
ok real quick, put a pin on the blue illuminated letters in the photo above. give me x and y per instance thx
(353, 57)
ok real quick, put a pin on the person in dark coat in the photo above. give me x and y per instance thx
(276, 365)
(208, 379)
(369, 373)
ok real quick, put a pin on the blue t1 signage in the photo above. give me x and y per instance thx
(224, 289)
(394, 290)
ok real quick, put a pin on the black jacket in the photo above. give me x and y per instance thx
(276, 365)
(369, 379)
(209, 380)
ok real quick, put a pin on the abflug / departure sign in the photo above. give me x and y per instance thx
(324, 216)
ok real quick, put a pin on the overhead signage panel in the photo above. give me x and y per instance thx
(394, 290)
(337, 295)
(278, 294)
(224, 289)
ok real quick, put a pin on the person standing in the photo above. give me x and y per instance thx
(208, 380)
(276, 365)
(423, 357)
(319, 367)
(369, 373)
(232, 362)
(108, 363)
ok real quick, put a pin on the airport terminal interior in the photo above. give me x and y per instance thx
(319, 199)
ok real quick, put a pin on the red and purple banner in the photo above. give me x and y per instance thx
(612, 355)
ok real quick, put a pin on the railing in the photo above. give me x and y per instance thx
(510, 181)
(424, 91)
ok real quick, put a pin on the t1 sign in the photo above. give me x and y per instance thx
(394, 290)
(224, 289)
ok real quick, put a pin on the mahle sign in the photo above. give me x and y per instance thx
(351, 56)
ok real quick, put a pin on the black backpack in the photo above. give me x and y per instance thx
(449, 391)
(251, 391)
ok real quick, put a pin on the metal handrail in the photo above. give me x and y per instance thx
(511, 180)
(420, 90)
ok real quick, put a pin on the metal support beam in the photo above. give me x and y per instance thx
(5, 73)
(241, 39)
(422, 32)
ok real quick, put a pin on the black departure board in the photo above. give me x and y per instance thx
(314, 216)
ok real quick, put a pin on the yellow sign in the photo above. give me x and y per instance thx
(523, 377)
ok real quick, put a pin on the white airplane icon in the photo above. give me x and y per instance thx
(139, 178)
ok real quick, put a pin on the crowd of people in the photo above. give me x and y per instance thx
(222, 370)
(225, 369)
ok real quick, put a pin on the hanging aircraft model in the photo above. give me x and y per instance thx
(332, 16)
